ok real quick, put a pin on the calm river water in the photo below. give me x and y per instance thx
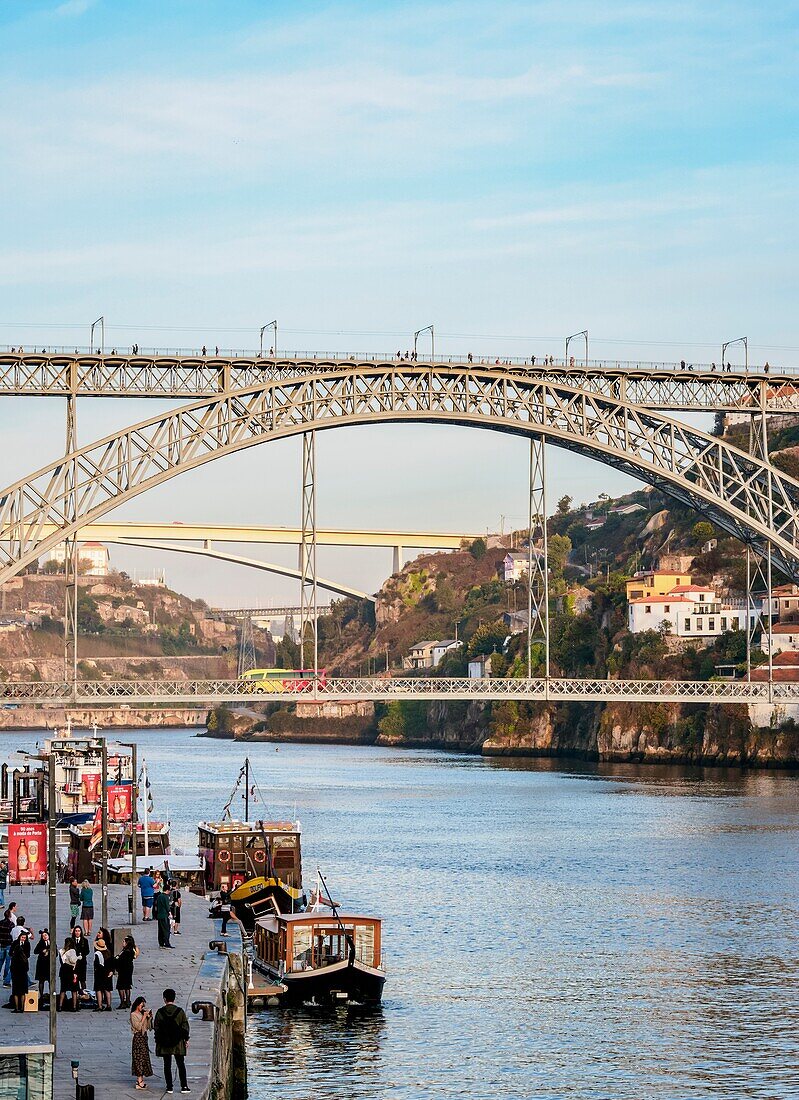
(552, 930)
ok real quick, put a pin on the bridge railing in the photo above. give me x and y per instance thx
(376, 688)
(226, 354)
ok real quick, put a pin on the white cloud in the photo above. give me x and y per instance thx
(73, 8)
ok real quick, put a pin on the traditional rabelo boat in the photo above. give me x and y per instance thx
(322, 958)
(256, 861)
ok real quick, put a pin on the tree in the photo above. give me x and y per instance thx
(564, 505)
(703, 531)
(478, 549)
(488, 638)
(558, 549)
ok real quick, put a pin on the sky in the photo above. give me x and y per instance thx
(512, 173)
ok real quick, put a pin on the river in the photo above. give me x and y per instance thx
(552, 929)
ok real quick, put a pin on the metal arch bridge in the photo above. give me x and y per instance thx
(585, 413)
(181, 375)
(104, 693)
(743, 494)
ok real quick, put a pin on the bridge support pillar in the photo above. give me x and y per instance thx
(309, 637)
(398, 555)
(71, 544)
(537, 558)
(758, 568)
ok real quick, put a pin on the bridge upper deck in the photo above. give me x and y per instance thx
(183, 375)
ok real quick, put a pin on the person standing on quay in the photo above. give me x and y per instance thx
(74, 902)
(124, 968)
(172, 1039)
(3, 881)
(67, 976)
(224, 909)
(147, 890)
(141, 1020)
(161, 912)
(42, 953)
(103, 975)
(80, 946)
(6, 927)
(87, 906)
(20, 980)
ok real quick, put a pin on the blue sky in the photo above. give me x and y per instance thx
(512, 172)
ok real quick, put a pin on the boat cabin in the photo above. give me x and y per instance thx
(80, 860)
(187, 871)
(295, 943)
(235, 851)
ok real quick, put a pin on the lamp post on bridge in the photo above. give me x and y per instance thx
(576, 336)
(272, 324)
(729, 343)
(418, 333)
(101, 322)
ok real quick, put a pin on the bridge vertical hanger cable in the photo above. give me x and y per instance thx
(71, 544)
(308, 588)
(537, 560)
(247, 655)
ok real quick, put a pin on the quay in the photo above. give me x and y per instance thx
(101, 1042)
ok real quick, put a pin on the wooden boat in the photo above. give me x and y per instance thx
(80, 857)
(321, 958)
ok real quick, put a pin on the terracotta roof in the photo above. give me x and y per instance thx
(693, 588)
(780, 675)
(662, 599)
(783, 628)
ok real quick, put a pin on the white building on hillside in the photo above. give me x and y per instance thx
(784, 637)
(687, 611)
(93, 553)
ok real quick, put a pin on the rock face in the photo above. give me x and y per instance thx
(46, 718)
(619, 732)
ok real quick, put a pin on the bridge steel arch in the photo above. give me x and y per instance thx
(743, 494)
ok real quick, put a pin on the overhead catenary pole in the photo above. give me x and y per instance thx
(246, 789)
(576, 336)
(272, 325)
(134, 822)
(52, 897)
(431, 329)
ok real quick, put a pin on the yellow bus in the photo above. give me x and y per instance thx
(284, 679)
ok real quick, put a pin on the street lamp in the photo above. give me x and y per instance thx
(418, 333)
(272, 324)
(101, 322)
(740, 340)
(576, 336)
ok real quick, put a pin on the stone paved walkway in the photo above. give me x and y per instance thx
(101, 1040)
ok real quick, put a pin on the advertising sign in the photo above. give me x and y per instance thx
(90, 782)
(120, 805)
(27, 854)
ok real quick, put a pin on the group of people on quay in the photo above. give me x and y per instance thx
(161, 902)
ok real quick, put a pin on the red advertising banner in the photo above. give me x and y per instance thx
(90, 782)
(27, 854)
(120, 804)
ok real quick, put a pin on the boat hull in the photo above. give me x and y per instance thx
(339, 983)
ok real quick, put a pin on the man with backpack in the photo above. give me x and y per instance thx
(172, 1039)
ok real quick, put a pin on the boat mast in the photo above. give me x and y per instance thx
(246, 789)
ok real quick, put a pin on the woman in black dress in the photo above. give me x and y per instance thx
(103, 975)
(20, 953)
(66, 975)
(124, 967)
(80, 945)
(42, 953)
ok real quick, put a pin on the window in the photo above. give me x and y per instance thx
(687, 624)
(667, 608)
(723, 624)
(637, 594)
(648, 609)
(711, 624)
(702, 597)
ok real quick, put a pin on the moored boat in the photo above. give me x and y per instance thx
(321, 958)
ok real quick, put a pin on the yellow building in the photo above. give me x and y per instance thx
(654, 582)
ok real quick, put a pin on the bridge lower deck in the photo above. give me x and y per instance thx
(115, 693)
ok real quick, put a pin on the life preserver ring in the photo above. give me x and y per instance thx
(224, 856)
(259, 855)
